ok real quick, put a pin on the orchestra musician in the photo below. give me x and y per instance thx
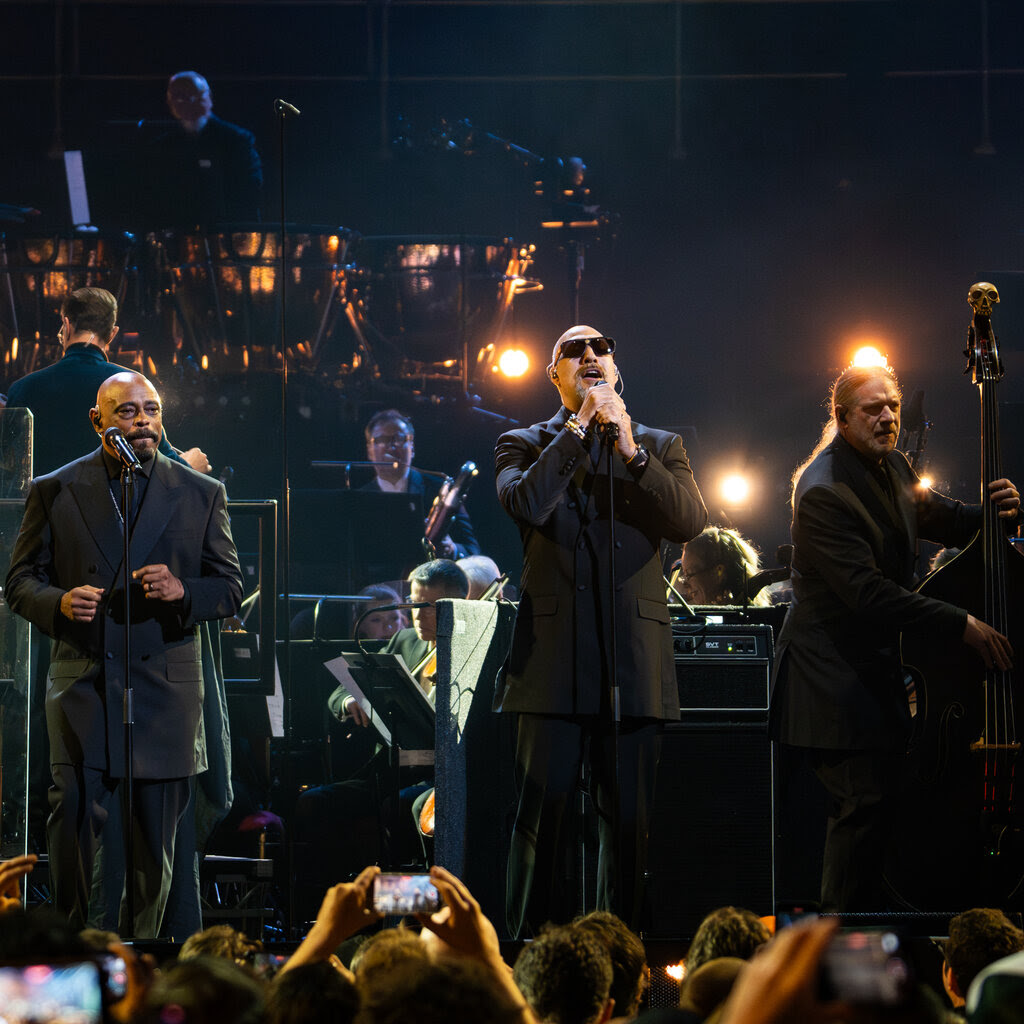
(203, 171)
(325, 815)
(838, 688)
(391, 444)
(552, 479)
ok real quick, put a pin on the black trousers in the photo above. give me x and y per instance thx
(549, 756)
(863, 786)
(80, 798)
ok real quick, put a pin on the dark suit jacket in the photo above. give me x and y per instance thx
(209, 178)
(838, 682)
(559, 657)
(460, 529)
(60, 396)
(70, 536)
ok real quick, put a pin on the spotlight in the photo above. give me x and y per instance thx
(513, 362)
(927, 482)
(869, 355)
(676, 971)
(735, 489)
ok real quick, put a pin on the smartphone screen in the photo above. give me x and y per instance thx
(866, 967)
(115, 977)
(405, 894)
(58, 991)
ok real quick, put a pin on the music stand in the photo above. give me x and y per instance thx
(380, 536)
(404, 711)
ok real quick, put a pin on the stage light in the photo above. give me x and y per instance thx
(735, 489)
(927, 482)
(869, 355)
(513, 362)
(676, 971)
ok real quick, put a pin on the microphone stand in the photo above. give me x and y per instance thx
(128, 710)
(283, 109)
(609, 435)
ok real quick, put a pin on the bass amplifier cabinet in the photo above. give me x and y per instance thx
(723, 667)
(711, 831)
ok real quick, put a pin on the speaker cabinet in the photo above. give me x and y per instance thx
(711, 838)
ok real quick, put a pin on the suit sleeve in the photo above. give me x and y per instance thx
(30, 590)
(531, 481)
(674, 502)
(217, 592)
(830, 536)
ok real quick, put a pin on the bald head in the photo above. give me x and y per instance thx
(129, 402)
(189, 99)
(582, 356)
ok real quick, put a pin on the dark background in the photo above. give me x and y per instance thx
(788, 178)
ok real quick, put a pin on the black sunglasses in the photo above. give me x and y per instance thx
(575, 347)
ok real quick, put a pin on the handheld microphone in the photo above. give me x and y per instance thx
(283, 106)
(607, 430)
(114, 439)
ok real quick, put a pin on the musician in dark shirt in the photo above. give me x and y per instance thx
(203, 171)
(391, 441)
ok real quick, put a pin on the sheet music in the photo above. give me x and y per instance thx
(338, 668)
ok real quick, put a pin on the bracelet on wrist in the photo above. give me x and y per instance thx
(573, 425)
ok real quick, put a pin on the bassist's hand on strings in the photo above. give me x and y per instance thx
(1005, 495)
(994, 648)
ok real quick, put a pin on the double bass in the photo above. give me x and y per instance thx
(959, 832)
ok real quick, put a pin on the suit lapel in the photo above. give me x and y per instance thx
(91, 492)
(160, 503)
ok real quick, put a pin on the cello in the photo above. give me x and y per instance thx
(958, 840)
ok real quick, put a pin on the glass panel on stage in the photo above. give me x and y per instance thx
(15, 657)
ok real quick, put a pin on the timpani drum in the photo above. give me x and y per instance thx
(426, 294)
(221, 292)
(37, 271)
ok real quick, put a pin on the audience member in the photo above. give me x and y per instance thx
(630, 973)
(977, 938)
(442, 992)
(315, 993)
(11, 873)
(221, 940)
(727, 931)
(378, 956)
(205, 990)
(706, 988)
(566, 976)
(996, 995)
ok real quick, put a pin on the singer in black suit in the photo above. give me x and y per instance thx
(64, 578)
(552, 479)
(837, 687)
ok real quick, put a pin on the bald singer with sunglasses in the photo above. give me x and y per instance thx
(553, 481)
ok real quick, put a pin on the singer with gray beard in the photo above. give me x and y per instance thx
(552, 480)
(65, 578)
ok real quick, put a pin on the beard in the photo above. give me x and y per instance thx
(137, 438)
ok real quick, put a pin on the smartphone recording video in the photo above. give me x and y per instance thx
(866, 967)
(405, 894)
(52, 992)
(115, 977)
